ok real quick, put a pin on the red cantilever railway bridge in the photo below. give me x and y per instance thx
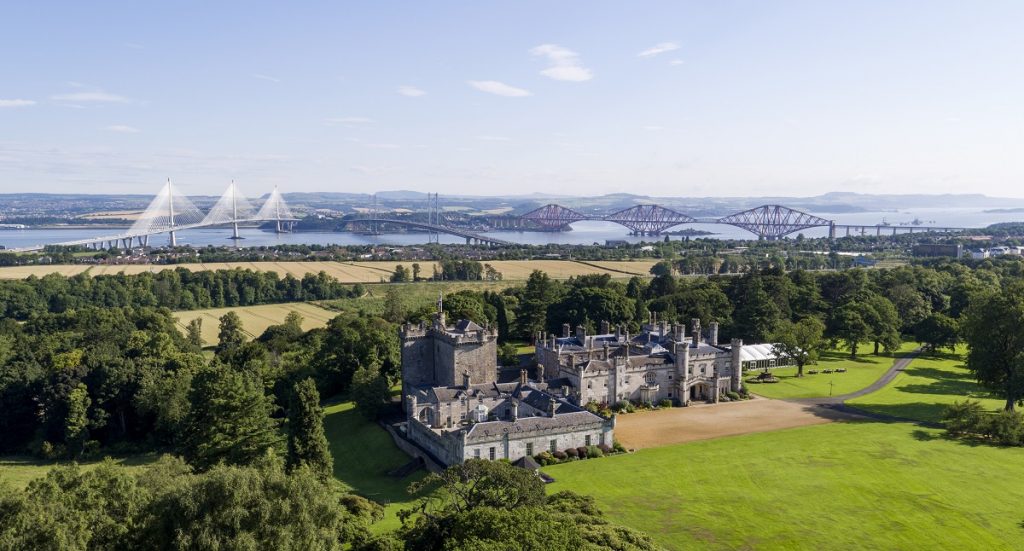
(767, 221)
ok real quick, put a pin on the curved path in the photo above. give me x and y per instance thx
(838, 403)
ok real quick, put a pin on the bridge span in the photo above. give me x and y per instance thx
(471, 237)
(766, 221)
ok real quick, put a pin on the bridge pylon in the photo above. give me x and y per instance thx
(170, 209)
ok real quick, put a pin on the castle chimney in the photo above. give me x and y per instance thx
(713, 333)
(515, 409)
(736, 376)
(565, 330)
(661, 329)
(466, 379)
(605, 327)
(581, 332)
(551, 407)
(695, 328)
(522, 376)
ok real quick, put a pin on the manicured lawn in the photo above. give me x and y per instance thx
(837, 486)
(926, 387)
(363, 454)
(860, 373)
(20, 470)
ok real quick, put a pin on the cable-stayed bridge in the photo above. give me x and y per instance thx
(171, 212)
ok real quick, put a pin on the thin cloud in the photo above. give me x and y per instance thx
(123, 129)
(676, 62)
(498, 88)
(659, 49)
(16, 102)
(411, 91)
(494, 138)
(564, 63)
(266, 77)
(348, 121)
(98, 96)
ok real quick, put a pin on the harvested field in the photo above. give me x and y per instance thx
(348, 272)
(255, 319)
(649, 429)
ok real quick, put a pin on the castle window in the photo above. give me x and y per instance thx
(490, 453)
(553, 445)
(586, 440)
(476, 453)
(529, 448)
(651, 378)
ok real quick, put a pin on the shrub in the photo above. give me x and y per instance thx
(618, 447)
(561, 456)
(593, 407)
(594, 452)
(666, 403)
(605, 449)
(582, 452)
(732, 395)
(1006, 428)
(545, 458)
(963, 418)
(571, 452)
(623, 406)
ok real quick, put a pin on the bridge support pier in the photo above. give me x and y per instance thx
(831, 230)
(234, 231)
(173, 241)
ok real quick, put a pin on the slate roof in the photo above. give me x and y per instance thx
(489, 429)
(467, 326)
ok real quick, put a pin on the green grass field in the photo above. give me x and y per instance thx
(862, 485)
(19, 471)
(860, 373)
(363, 454)
(926, 387)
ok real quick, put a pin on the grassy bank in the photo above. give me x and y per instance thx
(860, 373)
(835, 486)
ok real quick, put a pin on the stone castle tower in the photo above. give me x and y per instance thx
(442, 355)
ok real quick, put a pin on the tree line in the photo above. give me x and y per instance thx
(177, 289)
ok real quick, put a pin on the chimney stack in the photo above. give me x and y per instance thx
(515, 409)
(581, 332)
(695, 327)
(565, 330)
(605, 327)
(466, 379)
(713, 333)
(522, 376)
(551, 407)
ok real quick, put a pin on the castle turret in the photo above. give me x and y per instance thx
(737, 366)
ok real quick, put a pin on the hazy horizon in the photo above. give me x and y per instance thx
(662, 99)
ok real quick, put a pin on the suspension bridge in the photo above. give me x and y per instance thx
(171, 212)
(769, 222)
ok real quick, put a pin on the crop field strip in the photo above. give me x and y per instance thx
(255, 319)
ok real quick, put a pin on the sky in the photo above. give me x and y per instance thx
(690, 99)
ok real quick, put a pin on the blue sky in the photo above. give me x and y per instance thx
(661, 98)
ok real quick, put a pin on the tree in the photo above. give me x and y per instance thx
(937, 331)
(883, 322)
(416, 271)
(76, 425)
(531, 315)
(508, 355)
(370, 390)
(229, 419)
(394, 310)
(230, 334)
(850, 327)
(400, 275)
(194, 332)
(799, 342)
(478, 483)
(756, 313)
(307, 444)
(992, 330)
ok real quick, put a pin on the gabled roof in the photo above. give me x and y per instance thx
(467, 326)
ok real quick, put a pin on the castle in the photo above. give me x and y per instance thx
(660, 363)
(456, 409)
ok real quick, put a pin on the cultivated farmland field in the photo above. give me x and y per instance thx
(845, 485)
(255, 319)
(349, 272)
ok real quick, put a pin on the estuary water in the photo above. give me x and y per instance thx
(583, 233)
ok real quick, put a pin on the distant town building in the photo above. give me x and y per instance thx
(935, 249)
